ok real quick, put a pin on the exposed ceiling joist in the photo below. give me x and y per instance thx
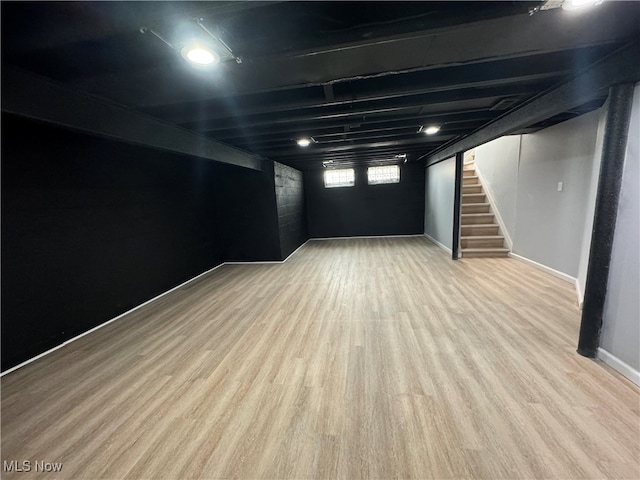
(618, 68)
(410, 52)
(426, 102)
(482, 75)
(360, 81)
(338, 127)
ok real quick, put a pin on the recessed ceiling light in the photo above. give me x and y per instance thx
(431, 130)
(579, 4)
(200, 55)
(303, 142)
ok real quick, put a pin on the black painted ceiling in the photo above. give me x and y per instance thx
(359, 77)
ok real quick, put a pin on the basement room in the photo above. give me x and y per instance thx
(320, 240)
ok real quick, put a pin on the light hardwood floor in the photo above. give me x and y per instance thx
(360, 358)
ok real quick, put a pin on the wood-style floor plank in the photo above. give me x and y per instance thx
(357, 358)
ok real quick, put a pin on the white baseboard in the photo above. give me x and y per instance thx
(620, 366)
(365, 236)
(555, 273)
(441, 245)
(71, 340)
(296, 250)
(579, 294)
(270, 262)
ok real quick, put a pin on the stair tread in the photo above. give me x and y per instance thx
(480, 225)
(485, 249)
(475, 214)
(481, 237)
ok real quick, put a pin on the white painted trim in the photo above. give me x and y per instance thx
(579, 294)
(618, 365)
(496, 212)
(296, 250)
(441, 245)
(67, 342)
(365, 236)
(270, 262)
(266, 262)
(555, 273)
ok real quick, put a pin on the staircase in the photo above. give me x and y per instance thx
(479, 232)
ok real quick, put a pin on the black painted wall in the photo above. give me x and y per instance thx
(390, 209)
(93, 227)
(247, 213)
(292, 221)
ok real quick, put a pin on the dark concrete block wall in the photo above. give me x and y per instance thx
(246, 213)
(390, 209)
(92, 227)
(292, 221)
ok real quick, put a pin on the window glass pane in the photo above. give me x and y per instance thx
(339, 178)
(384, 174)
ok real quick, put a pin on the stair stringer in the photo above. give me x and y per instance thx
(490, 198)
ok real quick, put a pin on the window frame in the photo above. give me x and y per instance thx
(340, 185)
(381, 179)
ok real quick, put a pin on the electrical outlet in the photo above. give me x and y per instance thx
(560, 186)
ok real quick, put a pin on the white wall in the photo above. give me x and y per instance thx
(554, 228)
(497, 165)
(521, 175)
(438, 208)
(550, 224)
(621, 318)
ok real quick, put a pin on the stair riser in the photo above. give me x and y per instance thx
(481, 219)
(466, 189)
(470, 230)
(481, 243)
(468, 173)
(475, 198)
(484, 255)
(472, 208)
(469, 181)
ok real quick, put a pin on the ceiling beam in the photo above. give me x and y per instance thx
(36, 97)
(328, 93)
(352, 135)
(417, 51)
(621, 66)
(67, 21)
(442, 84)
(359, 156)
(337, 127)
(479, 75)
(487, 95)
(418, 142)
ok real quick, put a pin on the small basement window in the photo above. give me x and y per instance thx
(383, 174)
(339, 178)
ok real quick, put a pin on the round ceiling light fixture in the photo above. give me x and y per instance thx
(303, 142)
(579, 4)
(432, 129)
(200, 55)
